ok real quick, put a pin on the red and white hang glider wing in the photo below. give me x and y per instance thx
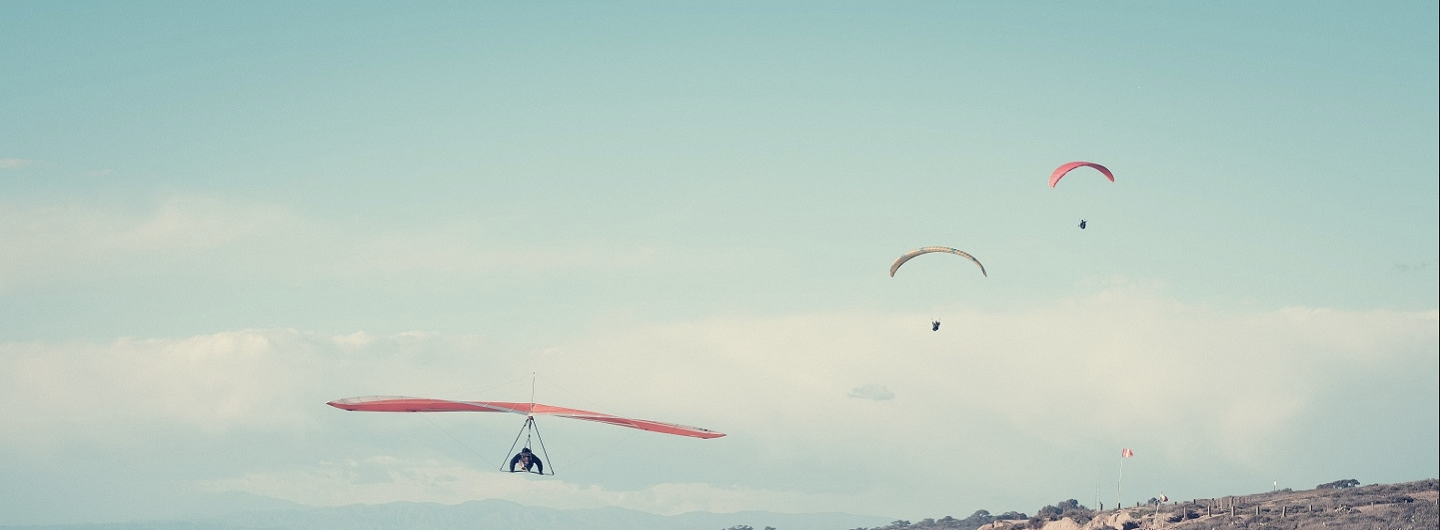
(413, 404)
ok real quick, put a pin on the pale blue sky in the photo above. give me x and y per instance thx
(197, 199)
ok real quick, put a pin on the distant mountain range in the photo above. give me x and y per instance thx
(481, 515)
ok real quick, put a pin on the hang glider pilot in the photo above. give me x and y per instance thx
(527, 459)
(1082, 224)
(935, 325)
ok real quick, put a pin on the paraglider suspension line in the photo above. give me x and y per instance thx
(529, 430)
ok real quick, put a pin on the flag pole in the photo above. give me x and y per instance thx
(1124, 453)
(1119, 481)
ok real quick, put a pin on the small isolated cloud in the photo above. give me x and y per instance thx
(16, 164)
(1406, 267)
(872, 392)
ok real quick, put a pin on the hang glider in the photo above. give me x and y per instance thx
(414, 404)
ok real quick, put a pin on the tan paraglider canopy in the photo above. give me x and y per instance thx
(927, 250)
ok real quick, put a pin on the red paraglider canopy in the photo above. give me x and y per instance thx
(414, 404)
(1062, 170)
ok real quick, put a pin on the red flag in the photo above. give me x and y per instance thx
(1126, 453)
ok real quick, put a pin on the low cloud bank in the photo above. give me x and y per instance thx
(1071, 382)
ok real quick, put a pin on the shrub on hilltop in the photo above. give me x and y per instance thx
(1066, 509)
(975, 520)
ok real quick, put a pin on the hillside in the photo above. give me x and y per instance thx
(1404, 506)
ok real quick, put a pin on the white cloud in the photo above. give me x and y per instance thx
(66, 240)
(872, 392)
(16, 164)
(182, 234)
(211, 383)
(1124, 367)
(379, 479)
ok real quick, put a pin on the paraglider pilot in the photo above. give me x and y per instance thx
(935, 325)
(1082, 224)
(527, 459)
